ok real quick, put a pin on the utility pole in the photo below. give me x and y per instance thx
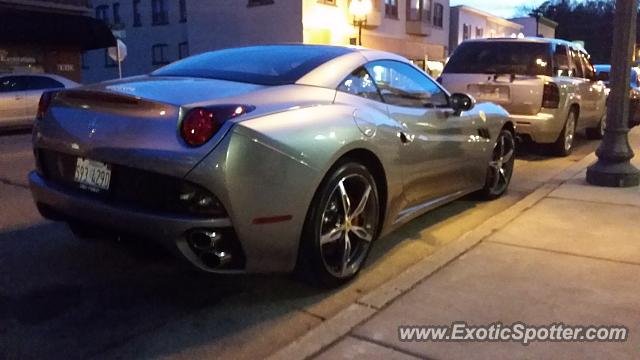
(614, 168)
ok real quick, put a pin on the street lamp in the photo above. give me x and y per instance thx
(614, 168)
(360, 9)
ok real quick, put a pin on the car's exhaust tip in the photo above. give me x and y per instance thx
(211, 248)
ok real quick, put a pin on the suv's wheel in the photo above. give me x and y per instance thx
(500, 167)
(341, 225)
(564, 145)
(597, 132)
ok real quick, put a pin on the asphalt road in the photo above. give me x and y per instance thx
(65, 298)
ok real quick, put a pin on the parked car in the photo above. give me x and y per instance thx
(267, 158)
(20, 93)
(548, 86)
(603, 72)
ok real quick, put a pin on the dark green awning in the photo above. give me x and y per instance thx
(45, 28)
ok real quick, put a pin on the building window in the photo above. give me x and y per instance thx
(479, 33)
(438, 15)
(108, 61)
(466, 32)
(391, 8)
(116, 13)
(183, 10)
(183, 50)
(102, 13)
(159, 53)
(84, 62)
(259, 2)
(159, 15)
(137, 18)
(414, 10)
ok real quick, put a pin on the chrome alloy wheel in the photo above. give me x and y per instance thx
(569, 132)
(349, 225)
(501, 165)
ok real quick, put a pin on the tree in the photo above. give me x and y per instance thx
(590, 21)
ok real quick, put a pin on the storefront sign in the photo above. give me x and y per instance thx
(66, 67)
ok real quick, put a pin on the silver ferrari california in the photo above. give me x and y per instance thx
(268, 158)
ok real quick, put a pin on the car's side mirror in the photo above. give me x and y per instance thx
(461, 102)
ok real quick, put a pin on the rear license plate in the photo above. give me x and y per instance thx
(490, 92)
(92, 175)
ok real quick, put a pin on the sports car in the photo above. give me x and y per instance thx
(273, 158)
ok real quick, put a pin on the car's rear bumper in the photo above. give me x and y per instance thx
(170, 231)
(544, 127)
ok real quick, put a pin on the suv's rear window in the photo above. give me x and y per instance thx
(265, 65)
(501, 57)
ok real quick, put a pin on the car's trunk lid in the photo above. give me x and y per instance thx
(133, 123)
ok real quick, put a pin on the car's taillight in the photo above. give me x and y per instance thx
(200, 124)
(550, 96)
(43, 104)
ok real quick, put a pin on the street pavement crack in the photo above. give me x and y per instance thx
(390, 346)
(13, 183)
(564, 253)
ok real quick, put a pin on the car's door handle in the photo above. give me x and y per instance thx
(18, 97)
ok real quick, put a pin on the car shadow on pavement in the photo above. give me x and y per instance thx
(529, 151)
(87, 298)
(61, 297)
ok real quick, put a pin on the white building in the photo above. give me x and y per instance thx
(537, 26)
(162, 31)
(470, 23)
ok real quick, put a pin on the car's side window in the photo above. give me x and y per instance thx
(402, 85)
(589, 71)
(561, 61)
(11, 83)
(576, 65)
(41, 83)
(360, 83)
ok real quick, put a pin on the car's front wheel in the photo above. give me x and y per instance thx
(340, 227)
(500, 167)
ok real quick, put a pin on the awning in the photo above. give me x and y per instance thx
(34, 27)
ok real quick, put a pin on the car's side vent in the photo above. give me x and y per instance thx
(484, 133)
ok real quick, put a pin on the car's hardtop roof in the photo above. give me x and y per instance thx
(346, 49)
(531, 40)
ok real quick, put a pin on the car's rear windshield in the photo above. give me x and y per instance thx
(265, 65)
(500, 57)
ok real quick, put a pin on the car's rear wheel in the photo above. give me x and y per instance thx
(500, 167)
(597, 132)
(340, 227)
(564, 145)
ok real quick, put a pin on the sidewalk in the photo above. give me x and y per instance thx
(567, 253)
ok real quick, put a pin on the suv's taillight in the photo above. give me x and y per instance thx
(200, 124)
(43, 104)
(550, 96)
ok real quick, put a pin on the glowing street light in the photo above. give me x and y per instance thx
(360, 9)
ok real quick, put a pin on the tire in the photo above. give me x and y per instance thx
(597, 132)
(334, 246)
(564, 145)
(500, 167)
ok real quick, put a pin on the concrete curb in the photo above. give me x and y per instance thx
(333, 329)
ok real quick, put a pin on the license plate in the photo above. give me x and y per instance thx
(490, 92)
(92, 175)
